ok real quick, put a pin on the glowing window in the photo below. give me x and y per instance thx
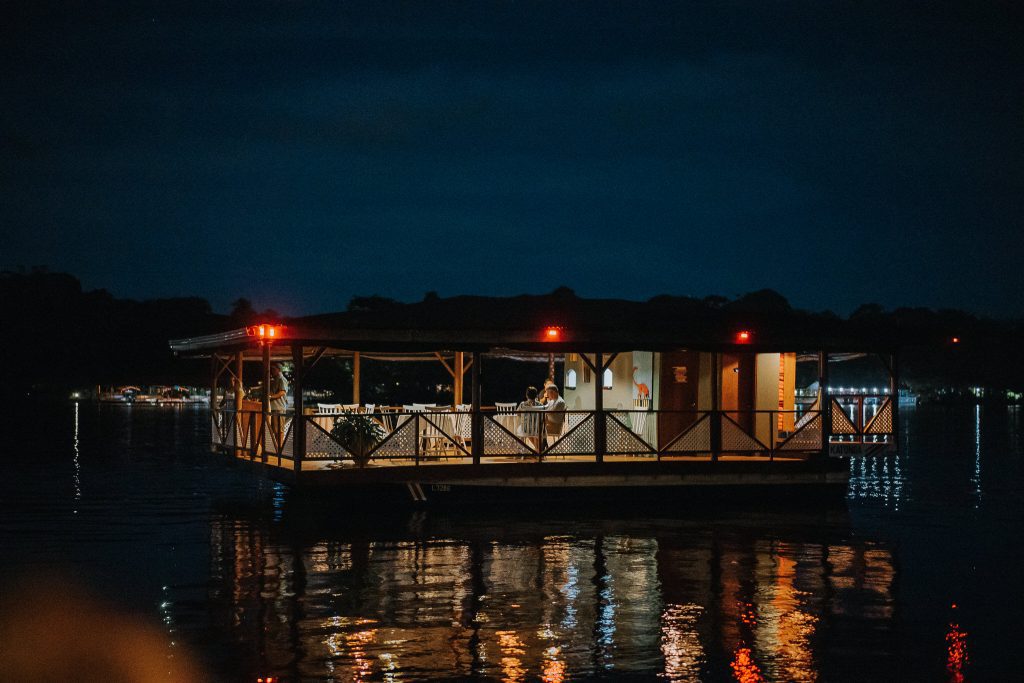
(570, 379)
(608, 378)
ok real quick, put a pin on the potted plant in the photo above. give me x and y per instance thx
(358, 434)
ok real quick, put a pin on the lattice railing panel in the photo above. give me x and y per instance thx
(881, 423)
(441, 435)
(320, 445)
(807, 437)
(578, 440)
(841, 422)
(621, 440)
(244, 428)
(400, 444)
(216, 432)
(277, 435)
(696, 438)
(735, 439)
(498, 440)
(640, 422)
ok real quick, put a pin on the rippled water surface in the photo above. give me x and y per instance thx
(252, 582)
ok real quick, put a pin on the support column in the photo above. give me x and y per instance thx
(459, 379)
(716, 406)
(299, 419)
(238, 439)
(214, 374)
(214, 410)
(600, 428)
(475, 416)
(894, 394)
(355, 377)
(824, 402)
(240, 388)
(265, 403)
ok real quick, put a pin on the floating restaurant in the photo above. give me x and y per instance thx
(652, 397)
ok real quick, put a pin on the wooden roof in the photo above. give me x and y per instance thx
(473, 323)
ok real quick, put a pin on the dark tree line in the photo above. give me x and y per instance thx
(56, 337)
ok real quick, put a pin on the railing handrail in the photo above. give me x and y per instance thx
(447, 434)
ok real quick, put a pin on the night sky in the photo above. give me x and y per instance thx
(302, 153)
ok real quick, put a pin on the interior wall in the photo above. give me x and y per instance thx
(619, 397)
(704, 386)
(775, 382)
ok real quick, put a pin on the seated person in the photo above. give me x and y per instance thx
(555, 409)
(530, 424)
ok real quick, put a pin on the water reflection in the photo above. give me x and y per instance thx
(956, 652)
(681, 600)
(976, 478)
(878, 478)
(76, 459)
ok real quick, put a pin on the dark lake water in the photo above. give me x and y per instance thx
(126, 506)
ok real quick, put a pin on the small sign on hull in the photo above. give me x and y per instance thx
(847, 450)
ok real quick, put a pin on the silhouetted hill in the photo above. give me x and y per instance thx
(56, 336)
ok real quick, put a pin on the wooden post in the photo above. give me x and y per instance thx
(475, 416)
(824, 402)
(214, 410)
(894, 396)
(240, 389)
(716, 406)
(355, 377)
(600, 432)
(299, 420)
(460, 372)
(239, 441)
(265, 402)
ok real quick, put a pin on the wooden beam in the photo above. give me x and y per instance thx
(459, 377)
(716, 406)
(824, 402)
(240, 386)
(356, 366)
(477, 418)
(894, 397)
(299, 420)
(317, 355)
(445, 364)
(590, 365)
(214, 380)
(265, 403)
(600, 426)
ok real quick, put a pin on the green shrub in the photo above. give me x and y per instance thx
(359, 434)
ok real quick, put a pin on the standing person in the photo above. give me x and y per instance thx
(555, 409)
(278, 389)
(276, 393)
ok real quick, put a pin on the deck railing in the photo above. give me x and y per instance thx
(394, 437)
(865, 418)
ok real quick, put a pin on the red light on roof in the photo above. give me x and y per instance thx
(743, 336)
(552, 333)
(955, 340)
(264, 331)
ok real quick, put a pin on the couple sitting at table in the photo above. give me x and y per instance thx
(554, 406)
